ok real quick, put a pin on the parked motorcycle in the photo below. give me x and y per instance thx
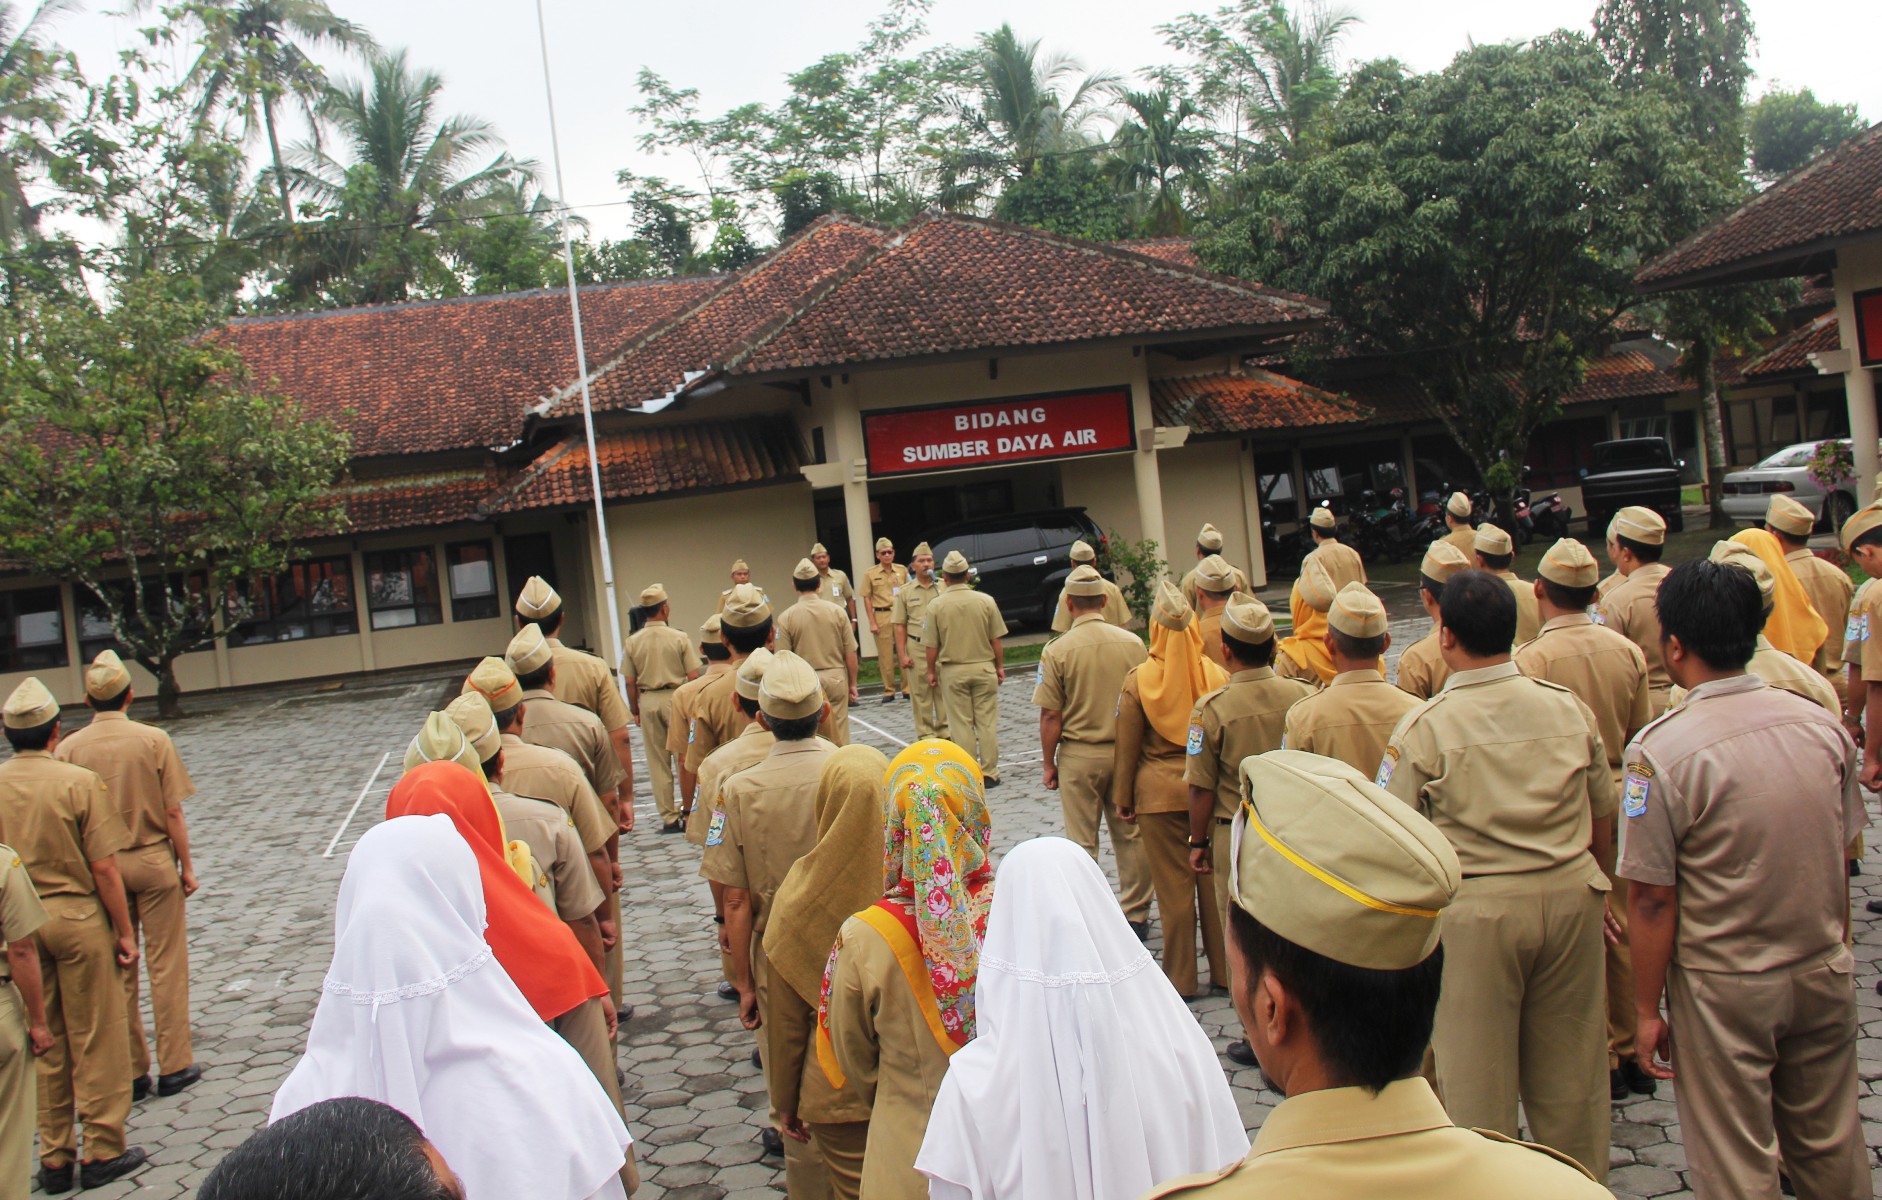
(1386, 532)
(1550, 516)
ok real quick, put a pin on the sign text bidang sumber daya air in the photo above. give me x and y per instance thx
(1027, 428)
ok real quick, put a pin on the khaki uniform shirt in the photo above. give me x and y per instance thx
(1189, 588)
(747, 748)
(1247, 715)
(1211, 626)
(1422, 670)
(1606, 670)
(59, 820)
(1080, 675)
(583, 680)
(1528, 609)
(1786, 674)
(1346, 1142)
(910, 609)
(568, 884)
(766, 821)
(1829, 590)
(880, 587)
(1350, 719)
(818, 632)
(1745, 800)
(961, 624)
(542, 773)
(659, 658)
(1341, 561)
(1628, 610)
(1464, 539)
(727, 595)
(1115, 610)
(717, 719)
(21, 913)
(576, 732)
(1511, 769)
(1865, 629)
(1608, 583)
(1147, 768)
(142, 773)
(685, 697)
(835, 587)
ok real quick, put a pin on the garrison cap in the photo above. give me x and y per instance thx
(1458, 505)
(1323, 518)
(1084, 581)
(745, 608)
(1247, 619)
(442, 741)
(1862, 522)
(1737, 554)
(920, 549)
(538, 600)
(955, 563)
(789, 689)
(1638, 524)
(805, 569)
(1787, 516)
(496, 683)
(1315, 586)
(884, 544)
(751, 672)
(470, 712)
(30, 706)
(528, 650)
(1337, 865)
(1569, 564)
(1442, 560)
(710, 630)
(1209, 537)
(106, 678)
(738, 564)
(1170, 610)
(818, 549)
(653, 596)
(1492, 540)
(1082, 552)
(1213, 574)
(1356, 612)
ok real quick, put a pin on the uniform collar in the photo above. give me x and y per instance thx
(802, 746)
(1363, 675)
(1567, 622)
(116, 714)
(1506, 573)
(1800, 552)
(32, 754)
(1252, 675)
(654, 624)
(754, 729)
(553, 643)
(1460, 679)
(512, 739)
(807, 597)
(1350, 1114)
(1086, 618)
(538, 694)
(716, 667)
(1647, 571)
(1730, 686)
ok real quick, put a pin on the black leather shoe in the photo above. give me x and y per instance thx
(1874, 906)
(1617, 1085)
(771, 1140)
(1638, 1081)
(624, 1014)
(1241, 1052)
(1141, 929)
(991, 782)
(140, 1087)
(727, 991)
(888, 697)
(672, 827)
(176, 1081)
(110, 1170)
(757, 1060)
(55, 1181)
(1855, 867)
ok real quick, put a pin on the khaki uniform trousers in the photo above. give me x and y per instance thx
(1622, 1018)
(886, 662)
(805, 1176)
(1085, 772)
(970, 692)
(1521, 1016)
(154, 891)
(1767, 1068)
(655, 707)
(841, 1147)
(1221, 858)
(585, 1029)
(87, 1071)
(16, 1095)
(836, 689)
(930, 720)
(1182, 897)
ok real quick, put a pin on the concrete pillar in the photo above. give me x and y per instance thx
(856, 524)
(1144, 460)
(1251, 513)
(1858, 268)
(362, 611)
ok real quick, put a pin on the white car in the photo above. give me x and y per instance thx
(1746, 494)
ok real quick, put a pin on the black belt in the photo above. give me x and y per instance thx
(873, 608)
(1225, 820)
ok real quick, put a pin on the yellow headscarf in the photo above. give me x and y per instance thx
(1309, 603)
(1794, 626)
(1177, 673)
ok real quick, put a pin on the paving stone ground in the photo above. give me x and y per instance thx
(278, 774)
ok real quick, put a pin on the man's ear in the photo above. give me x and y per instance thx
(1673, 650)
(1446, 639)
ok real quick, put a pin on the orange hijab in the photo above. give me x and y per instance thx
(1177, 673)
(1793, 626)
(1308, 643)
(540, 954)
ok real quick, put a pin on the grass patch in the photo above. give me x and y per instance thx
(868, 673)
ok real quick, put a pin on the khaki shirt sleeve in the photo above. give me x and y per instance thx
(700, 741)
(1640, 708)
(101, 829)
(1855, 817)
(847, 638)
(1127, 749)
(725, 849)
(1598, 775)
(898, 610)
(790, 1024)
(1295, 734)
(21, 913)
(610, 775)
(1413, 677)
(852, 1014)
(577, 894)
(1654, 819)
(608, 703)
(1202, 762)
(1048, 690)
(177, 784)
(692, 661)
(1871, 658)
(1409, 763)
(679, 728)
(630, 672)
(783, 631)
(996, 624)
(593, 826)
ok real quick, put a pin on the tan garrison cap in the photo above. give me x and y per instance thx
(750, 673)
(1171, 610)
(954, 564)
(1247, 619)
(1458, 505)
(471, 713)
(528, 650)
(653, 596)
(1337, 865)
(1443, 560)
(30, 705)
(1569, 564)
(538, 600)
(1213, 574)
(710, 630)
(805, 569)
(1492, 540)
(738, 564)
(496, 683)
(1356, 612)
(745, 608)
(920, 549)
(1639, 525)
(818, 549)
(1082, 552)
(1084, 581)
(1323, 518)
(1862, 522)
(884, 544)
(1209, 537)
(442, 741)
(1738, 554)
(1787, 516)
(1315, 586)
(106, 678)
(789, 689)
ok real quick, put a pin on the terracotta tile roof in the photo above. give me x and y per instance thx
(418, 500)
(1627, 375)
(1239, 403)
(657, 461)
(444, 374)
(1791, 356)
(1790, 227)
(1178, 250)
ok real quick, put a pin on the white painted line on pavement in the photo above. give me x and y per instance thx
(876, 729)
(354, 811)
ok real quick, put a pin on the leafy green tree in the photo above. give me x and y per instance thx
(1160, 148)
(41, 153)
(1024, 107)
(609, 261)
(143, 465)
(1075, 195)
(1786, 129)
(516, 248)
(1701, 47)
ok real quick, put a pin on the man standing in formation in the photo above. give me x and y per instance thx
(1461, 535)
(1828, 587)
(907, 615)
(961, 634)
(1115, 610)
(1341, 561)
(1209, 541)
(717, 658)
(820, 633)
(24, 1034)
(657, 660)
(1636, 540)
(581, 678)
(1215, 583)
(1352, 718)
(1494, 553)
(833, 585)
(882, 583)
(1421, 668)
(741, 574)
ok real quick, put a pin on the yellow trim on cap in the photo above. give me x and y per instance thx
(1339, 885)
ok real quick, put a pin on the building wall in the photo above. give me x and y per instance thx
(1202, 484)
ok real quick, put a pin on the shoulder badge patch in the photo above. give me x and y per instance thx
(1039, 674)
(1195, 739)
(715, 832)
(1387, 765)
(1634, 793)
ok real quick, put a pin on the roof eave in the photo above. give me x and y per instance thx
(1788, 262)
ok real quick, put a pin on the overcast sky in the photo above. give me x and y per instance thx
(736, 51)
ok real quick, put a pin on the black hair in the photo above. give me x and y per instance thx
(954, 579)
(1434, 587)
(1646, 552)
(1572, 598)
(549, 624)
(1480, 611)
(1871, 537)
(538, 678)
(1362, 648)
(1254, 654)
(715, 651)
(507, 718)
(748, 707)
(806, 585)
(1496, 562)
(35, 738)
(637, 616)
(1086, 603)
(793, 729)
(1792, 541)
(493, 766)
(745, 639)
(345, 1149)
(1714, 609)
(1371, 1026)
(110, 703)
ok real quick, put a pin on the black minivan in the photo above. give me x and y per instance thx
(1021, 559)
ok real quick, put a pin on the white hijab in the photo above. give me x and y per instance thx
(416, 1013)
(1090, 1078)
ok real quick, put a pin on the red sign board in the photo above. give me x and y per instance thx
(904, 441)
(1869, 327)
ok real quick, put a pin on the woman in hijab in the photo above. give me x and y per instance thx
(1794, 626)
(898, 991)
(1090, 1080)
(840, 876)
(415, 1013)
(1147, 785)
(1304, 655)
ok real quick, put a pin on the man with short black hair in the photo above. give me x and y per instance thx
(1115, 610)
(1209, 540)
(1421, 669)
(1342, 563)
(1636, 540)
(1739, 804)
(581, 679)
(341, 1149)
(1495, 551)
(820, 633)
(1352, 718)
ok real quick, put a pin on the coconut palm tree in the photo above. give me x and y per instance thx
(1160, 149)
(30, 68)
(1022, 106)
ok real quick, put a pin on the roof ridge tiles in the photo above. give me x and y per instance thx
(523, 478)
(606, 285)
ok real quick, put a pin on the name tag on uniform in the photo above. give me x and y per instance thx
(715, 832)
(1387, 765)
(1195, 739)
(1597, 616)
(1039, 674)
(692, 731)
(1634, 795)
(1852, 632)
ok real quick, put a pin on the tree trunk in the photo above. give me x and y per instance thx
(1714, 418)
(280, 170)
(169, 694)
